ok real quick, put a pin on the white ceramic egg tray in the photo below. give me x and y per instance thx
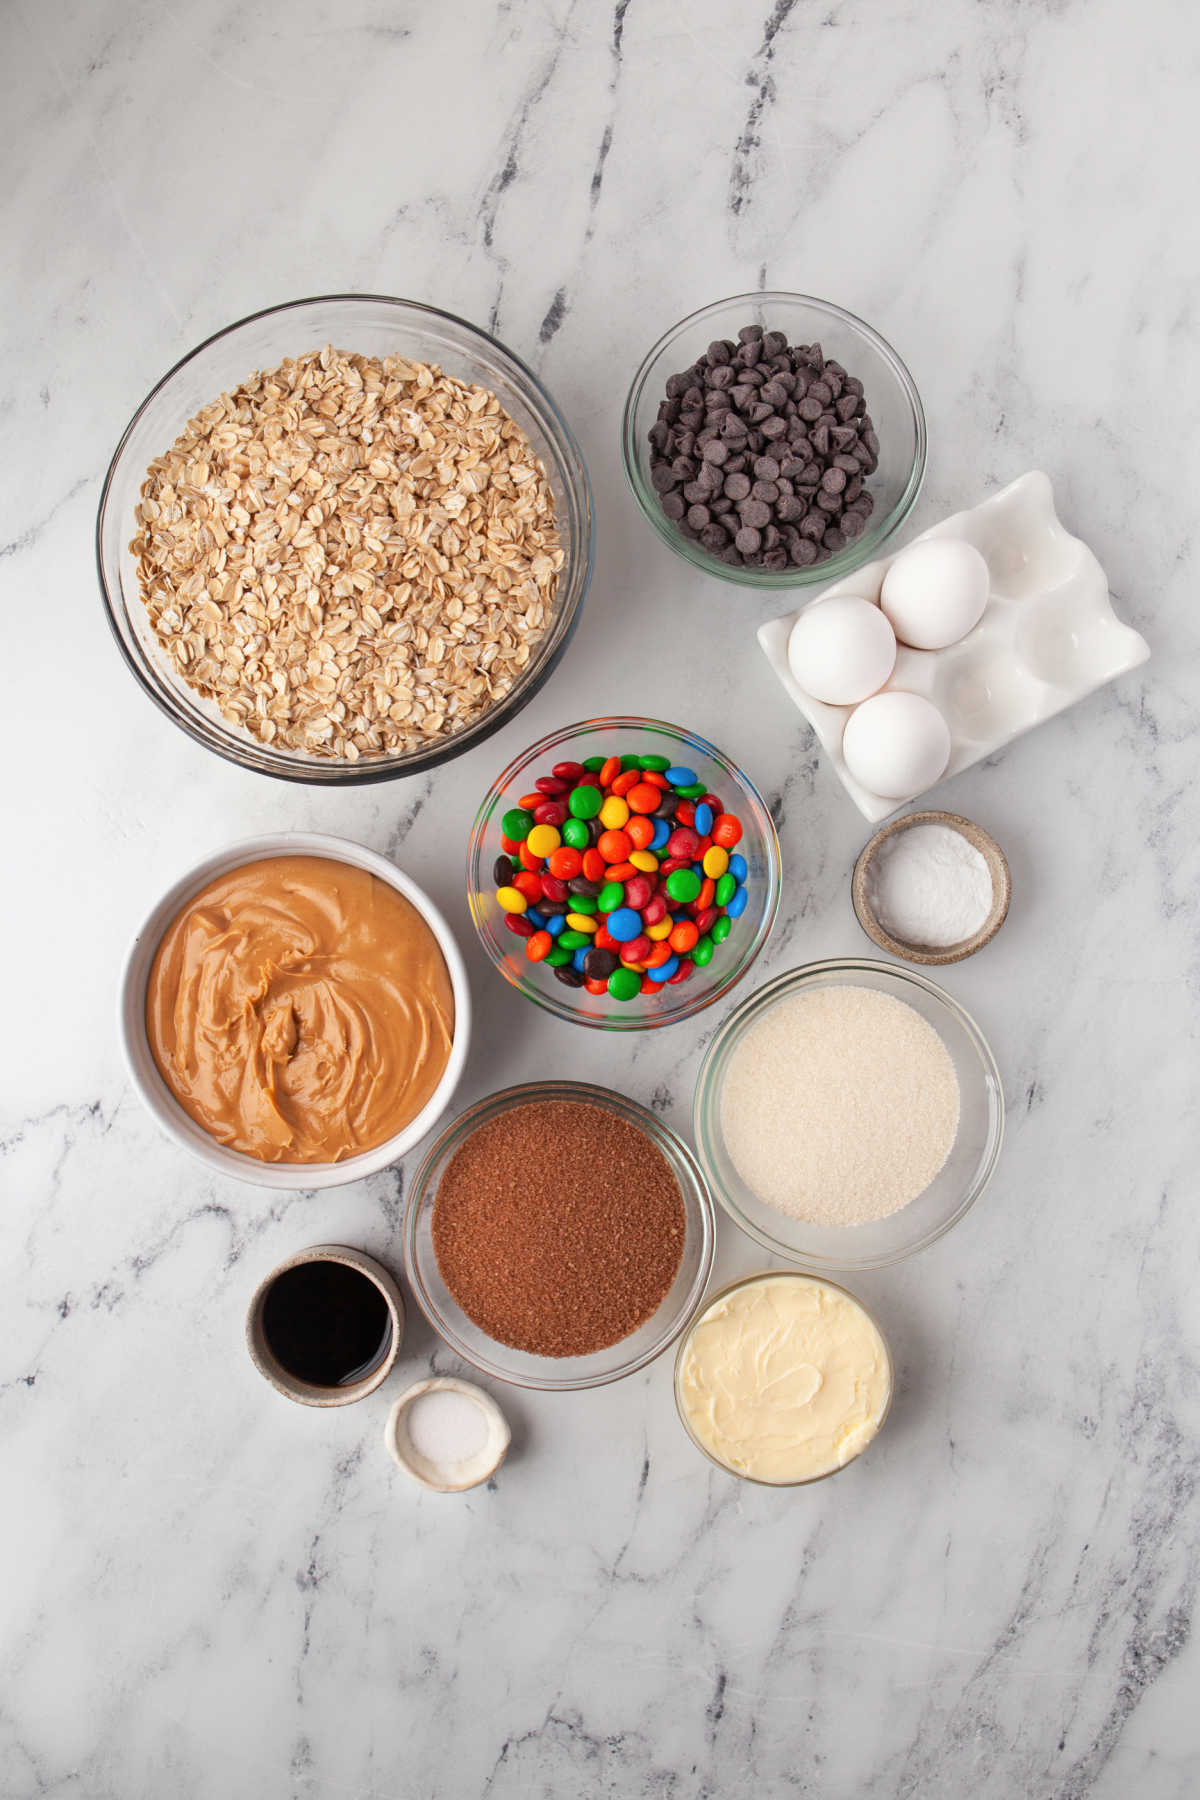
(1048, 637)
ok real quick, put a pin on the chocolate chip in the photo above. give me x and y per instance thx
(715, 451)
(834, 540)
(765, 490)
(814, 525)
(749, 334)
(756, 513)
(698, 517)
(834, 481)
(791, 509)
(809, 408)
(748, 540)
(766, 468)
(714, 538)
(773, 394)
(663, 478)
(737, 486)
(847, 407)
(775, 560)
(853, 524)
(674, 506)
(803, 552)
(819, 439)
(693, 492)
(718, 352)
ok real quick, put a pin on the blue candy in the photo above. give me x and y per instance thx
(738, 867)
(665, 970)
(554, 924)
(703, 820)
(662, 832)
(624, 924)
(536, 919)
(577, 959)
(737, 906)
(681, 777)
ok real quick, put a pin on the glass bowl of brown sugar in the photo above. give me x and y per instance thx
(558, 1235)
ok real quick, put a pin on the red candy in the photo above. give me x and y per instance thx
(570, 772)
(553, 889)
(518, 924)
(637, 949)
(550, 812)
(683, 844)
(638, 890)
(654, 911)
(550, 784)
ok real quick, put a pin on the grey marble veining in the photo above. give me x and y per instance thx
(210, 1594)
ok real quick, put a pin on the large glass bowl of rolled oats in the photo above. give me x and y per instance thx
(345, 539)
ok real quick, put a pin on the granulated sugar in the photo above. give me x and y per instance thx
(840, 1106)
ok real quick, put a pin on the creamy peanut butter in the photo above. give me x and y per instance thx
(300, 1010)
(784, 1379)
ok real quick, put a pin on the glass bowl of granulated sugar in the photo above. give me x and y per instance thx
(848, 1114)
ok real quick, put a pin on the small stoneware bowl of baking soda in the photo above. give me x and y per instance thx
(950, 1195)
(931, 955)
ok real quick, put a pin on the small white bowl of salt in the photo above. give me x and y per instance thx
(931, 887)
(447, 1434)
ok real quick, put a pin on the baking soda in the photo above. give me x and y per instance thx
(840, 1106)
(929, 886)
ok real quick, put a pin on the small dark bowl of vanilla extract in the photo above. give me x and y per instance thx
(325, 1327)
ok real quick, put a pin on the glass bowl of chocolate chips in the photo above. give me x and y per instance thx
(774, 440)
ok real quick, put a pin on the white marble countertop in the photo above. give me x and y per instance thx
(208, 1593)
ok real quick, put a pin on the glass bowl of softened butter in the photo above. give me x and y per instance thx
(783, 1379)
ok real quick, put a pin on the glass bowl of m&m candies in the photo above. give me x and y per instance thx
(623, 873)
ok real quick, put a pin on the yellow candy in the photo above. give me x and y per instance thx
(661, 930)
(644, 860)
(511, 899)
(716, 861)
(614, 813)
(543, 840)
(582, 922)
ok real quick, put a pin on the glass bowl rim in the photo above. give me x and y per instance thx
(751, 1280)
(257, 757)
(697, 1201)
(843, 562)
(704, 1100)
(549, 1001)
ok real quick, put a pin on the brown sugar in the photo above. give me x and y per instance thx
(558, 1227)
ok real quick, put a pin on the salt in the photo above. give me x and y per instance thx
(929, 886)
(446, 1427)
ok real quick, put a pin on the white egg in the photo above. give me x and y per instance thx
(841, 650)
(896, 744)
(935, 592)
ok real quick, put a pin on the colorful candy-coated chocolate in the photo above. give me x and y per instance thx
(624, 924)
(617, 873)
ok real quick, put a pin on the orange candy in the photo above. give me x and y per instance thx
(683, 938)
(623, 783)
(614, 846)
(726, 830)
(704, 898)
(539, 946)
(565, 863)
(620, 872)
(643, 798)
(527, 859)
(593, 864)
(610, 771)
(660, 953)
(640, 831)
(595, 987)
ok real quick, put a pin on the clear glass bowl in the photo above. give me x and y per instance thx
(952, 1193)
(892, 401)
(759, 845)
(373, 325)
(702, 1312)
(559, 1372)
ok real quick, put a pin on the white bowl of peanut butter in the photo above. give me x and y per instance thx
(295, 1011)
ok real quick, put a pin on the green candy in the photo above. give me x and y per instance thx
(517, 824)
(683, 885)
(573, 940)
(558, 959)
(630, 762)
(693, 791)
(585, 802)
(624, 984)
(658, 765)
(583, 903)
(726, 888)
(575, 833)
(593, 764)
(611, 895)
(702, 953)
(721, 928)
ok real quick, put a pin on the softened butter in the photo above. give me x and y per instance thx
(784, 1379)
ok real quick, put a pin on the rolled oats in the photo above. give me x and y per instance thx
(349, 555)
